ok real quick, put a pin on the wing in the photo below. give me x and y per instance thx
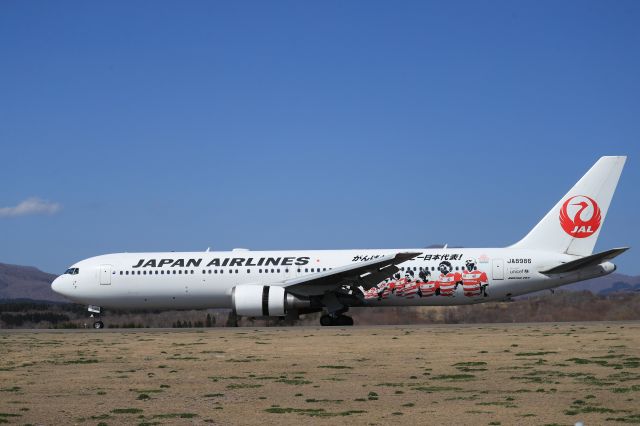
(365, 274)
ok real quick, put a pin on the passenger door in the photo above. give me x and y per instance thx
(105, 274)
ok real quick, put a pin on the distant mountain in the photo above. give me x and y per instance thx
(26, 282)
(608, 284)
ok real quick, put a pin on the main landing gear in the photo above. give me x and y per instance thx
(340, 320)
(336, 305)
(95, 313)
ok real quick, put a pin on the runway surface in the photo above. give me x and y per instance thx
(473, 374)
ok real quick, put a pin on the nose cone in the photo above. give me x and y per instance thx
(57, 286)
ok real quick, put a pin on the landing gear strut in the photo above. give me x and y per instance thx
(95, 313)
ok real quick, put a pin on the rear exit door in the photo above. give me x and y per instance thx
(498, 269)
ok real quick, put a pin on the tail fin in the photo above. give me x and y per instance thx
(572, 226)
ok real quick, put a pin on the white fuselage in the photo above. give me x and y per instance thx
(196, 280)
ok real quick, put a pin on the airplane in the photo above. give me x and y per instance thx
(557, 251)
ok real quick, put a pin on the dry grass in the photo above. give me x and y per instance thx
(486, 374)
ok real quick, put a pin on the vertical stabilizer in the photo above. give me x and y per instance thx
(572, 226)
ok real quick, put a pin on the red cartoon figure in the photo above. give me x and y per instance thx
(372, 293)
(399, 284)
(474, 282)
(426, 286)
(448, 281)
(411, 286)
(382, 290)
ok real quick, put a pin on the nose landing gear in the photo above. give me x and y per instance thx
(95, 313)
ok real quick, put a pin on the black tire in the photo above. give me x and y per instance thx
(98, 325)
(326, 321)
(344, 320)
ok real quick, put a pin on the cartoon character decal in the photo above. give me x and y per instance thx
(474, 282)
(399, 284)
(427, 287)
(411, 286)
(381, 291)
(448, 280)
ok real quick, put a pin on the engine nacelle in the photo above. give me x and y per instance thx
(253, 300)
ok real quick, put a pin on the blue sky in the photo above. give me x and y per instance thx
(153, 126)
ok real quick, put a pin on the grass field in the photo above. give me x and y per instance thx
(484, 374)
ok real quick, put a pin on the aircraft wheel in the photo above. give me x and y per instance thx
(98, 325)
(344, 320)
(326, 320)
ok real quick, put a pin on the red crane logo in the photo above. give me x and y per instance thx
(572, 219)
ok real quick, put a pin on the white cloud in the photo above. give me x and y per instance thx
(31, 205)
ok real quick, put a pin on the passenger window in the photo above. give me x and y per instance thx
(248, 271)
(278, 271)
(222, 271)
(298, 270)
(272, 271)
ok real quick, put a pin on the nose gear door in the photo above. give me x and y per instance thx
(105, 274)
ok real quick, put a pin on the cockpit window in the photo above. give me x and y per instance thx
(72, 271)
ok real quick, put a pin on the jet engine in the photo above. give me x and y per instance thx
(264, 301)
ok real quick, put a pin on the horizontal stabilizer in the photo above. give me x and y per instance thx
(584, 262)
